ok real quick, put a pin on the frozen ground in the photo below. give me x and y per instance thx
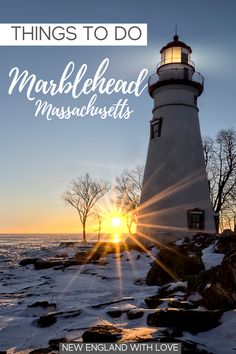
(72, 289)
(83, 295)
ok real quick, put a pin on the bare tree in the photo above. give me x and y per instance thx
(128, 191)
(220, 159)
(228, 215)
(83, 194)
(100, 219)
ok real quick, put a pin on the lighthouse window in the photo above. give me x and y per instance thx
(196, 219)
(156, 128)
(172, 55)
(184, 55)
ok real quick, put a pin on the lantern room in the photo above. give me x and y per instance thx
(176, 67)
(176, 52)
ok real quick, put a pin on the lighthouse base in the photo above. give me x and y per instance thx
(162, 237)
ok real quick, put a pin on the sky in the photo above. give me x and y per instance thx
(39, 157)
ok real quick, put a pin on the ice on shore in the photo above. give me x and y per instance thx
(83, 288)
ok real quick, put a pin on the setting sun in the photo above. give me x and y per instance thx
(116, 221)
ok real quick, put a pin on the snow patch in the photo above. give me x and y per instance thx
(219, 340)
(210, 258)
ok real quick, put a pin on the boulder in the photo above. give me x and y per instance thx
(27, 261)
(165, 293)
(169, 290)
(45, 264)
(46, 320)
(102, 334)
(186, 320)
(135, 314)
(172, 264)
(182, 304)
(197, 283)
(43, 304)
(153, 301)
(114, 313)
(50, 318)
(59, 261)
(220, 292)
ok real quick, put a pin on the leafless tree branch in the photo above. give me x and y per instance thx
(83, 194)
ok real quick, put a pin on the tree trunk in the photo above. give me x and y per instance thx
(99, 234)
(84, 234)
(217, 222)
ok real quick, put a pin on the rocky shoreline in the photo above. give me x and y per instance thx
(196, 288)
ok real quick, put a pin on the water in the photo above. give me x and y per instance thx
(31, 239)
(14, 247)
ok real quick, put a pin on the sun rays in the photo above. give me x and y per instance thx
(117, 247)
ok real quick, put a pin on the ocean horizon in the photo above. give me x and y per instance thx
(13, 238)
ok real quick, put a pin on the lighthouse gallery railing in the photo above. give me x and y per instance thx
(174, 74)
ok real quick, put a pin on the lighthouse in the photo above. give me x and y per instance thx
(175, 199)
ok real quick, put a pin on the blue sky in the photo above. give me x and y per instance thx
(39, 158)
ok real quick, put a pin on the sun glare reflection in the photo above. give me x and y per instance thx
(116, 238)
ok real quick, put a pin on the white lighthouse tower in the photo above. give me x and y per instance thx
(175, 200)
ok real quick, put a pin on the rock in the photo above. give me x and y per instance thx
(80, 259)
(182, 304)
(88, 257)
(69, 243)
(111, 248)
(114, 313)
(171, 264)
(202, 240)
(165, 293)
(169, 290)
(27, 261)
(226, 242)
(44, 304)
(104, 304)
(135, 314)
(45, 264)
(196, 299)
(153, 301)
(46, 320)
(220, 292)
(186, 320)
(102, 334)
(40, 263)
(102, 261)
(41, 351)
(198, 282)
(52, 263)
